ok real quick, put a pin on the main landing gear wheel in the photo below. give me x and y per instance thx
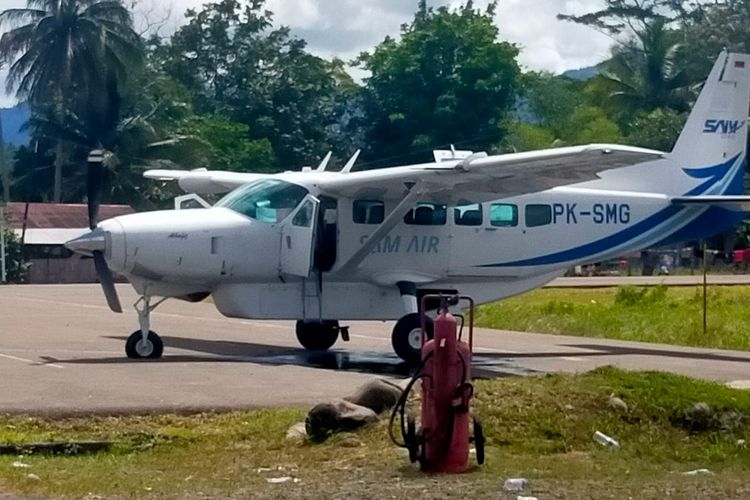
(407, 337)
(317, 336)
(137, 348)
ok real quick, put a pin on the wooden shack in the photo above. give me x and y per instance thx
(45, 227)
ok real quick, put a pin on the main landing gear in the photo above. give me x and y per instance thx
(144, 343)
(407, 334)
(320, 335)
(407, 337)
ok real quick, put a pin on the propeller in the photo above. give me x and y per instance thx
(94, 186)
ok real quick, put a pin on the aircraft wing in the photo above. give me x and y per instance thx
(481, 178)
(205, 181)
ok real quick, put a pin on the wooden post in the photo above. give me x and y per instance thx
(705, 289)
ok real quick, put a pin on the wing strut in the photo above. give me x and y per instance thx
(389, 223)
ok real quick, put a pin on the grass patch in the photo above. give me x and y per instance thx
(539, 428)
(646, 314)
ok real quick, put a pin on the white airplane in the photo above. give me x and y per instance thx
(321, 247)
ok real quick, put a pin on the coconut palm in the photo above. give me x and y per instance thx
(648, 73)
(69, 57)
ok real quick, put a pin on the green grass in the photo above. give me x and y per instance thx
(538, 428)
(648, 314)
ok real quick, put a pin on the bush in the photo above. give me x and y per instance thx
(16, 265)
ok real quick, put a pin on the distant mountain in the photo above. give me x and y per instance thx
(13, 119)
(584, 73)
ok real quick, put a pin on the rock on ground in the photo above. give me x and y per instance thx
(339, 415)
(377, 395)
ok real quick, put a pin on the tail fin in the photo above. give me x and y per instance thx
(716, 130)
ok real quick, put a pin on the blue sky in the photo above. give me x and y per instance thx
(344, 28)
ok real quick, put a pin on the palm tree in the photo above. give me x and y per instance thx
(68, 58)
(648, 73)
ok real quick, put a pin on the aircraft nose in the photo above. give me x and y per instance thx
(108, 237)
(89, 242)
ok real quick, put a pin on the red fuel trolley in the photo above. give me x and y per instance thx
(441, 444)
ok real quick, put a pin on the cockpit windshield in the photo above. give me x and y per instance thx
(267, 200)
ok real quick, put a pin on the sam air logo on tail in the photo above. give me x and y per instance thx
(730, 127)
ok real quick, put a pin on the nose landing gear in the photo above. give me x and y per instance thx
(145, 343)
(319, 335)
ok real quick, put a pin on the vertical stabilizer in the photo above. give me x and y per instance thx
(716, 130)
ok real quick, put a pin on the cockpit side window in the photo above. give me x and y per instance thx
(267, 200)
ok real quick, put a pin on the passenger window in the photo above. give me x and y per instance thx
(503, 215)
(427, 214)
(538, 215)
(468, 214)
(368, 212)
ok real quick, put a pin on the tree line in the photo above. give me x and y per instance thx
(229, 90)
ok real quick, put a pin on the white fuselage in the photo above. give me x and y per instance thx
(239, 259)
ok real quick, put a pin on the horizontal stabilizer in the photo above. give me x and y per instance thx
(736, 203)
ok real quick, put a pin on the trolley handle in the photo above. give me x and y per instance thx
(446, 301)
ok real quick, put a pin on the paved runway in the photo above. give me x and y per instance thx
(62, 352)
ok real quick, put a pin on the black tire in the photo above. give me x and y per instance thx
(405, 337)
(479, 440)
(411, 440)
(153, 350)
(315, 336)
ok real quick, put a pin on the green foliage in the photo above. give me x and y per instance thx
(553, 99)
(655, 314)
(658, 129)
(526, 137)
(535, 427)
(632, 295)
(446, 80)
(590, 124)
(228, 145)
(713, 27)
(70, 61)
(235, 65)
(621, 16)
(16, 266)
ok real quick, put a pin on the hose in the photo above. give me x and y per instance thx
(400, 407)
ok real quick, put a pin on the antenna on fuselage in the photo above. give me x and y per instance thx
(324, 163)
(349, 164)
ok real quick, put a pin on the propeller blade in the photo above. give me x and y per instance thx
(94, 184)
(108, 283)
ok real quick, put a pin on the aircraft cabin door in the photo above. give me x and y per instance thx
(298, 236)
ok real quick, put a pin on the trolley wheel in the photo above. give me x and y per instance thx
(411, 439)
(479, 440)
(407, 337)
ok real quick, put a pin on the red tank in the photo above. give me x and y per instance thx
(446, 391)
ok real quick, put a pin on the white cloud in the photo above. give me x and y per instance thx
(344, 28)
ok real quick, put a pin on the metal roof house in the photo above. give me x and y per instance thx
(45, 227)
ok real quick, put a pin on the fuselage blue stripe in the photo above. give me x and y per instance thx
(715, 174)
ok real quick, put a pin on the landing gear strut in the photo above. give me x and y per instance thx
(144, 343)
(319, 335)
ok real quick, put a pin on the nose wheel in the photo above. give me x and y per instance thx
(138, 348)
(317, 336)
(145, 343)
